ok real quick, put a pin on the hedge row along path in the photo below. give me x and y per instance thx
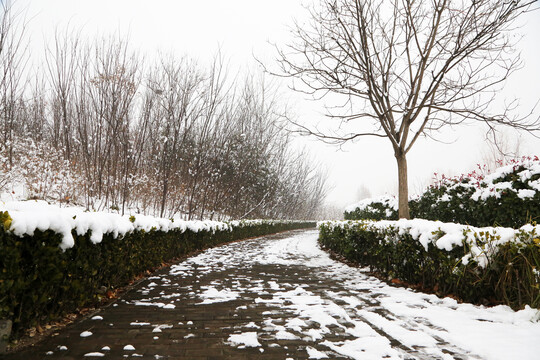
(281, 297)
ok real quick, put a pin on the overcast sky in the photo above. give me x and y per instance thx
(242, 28)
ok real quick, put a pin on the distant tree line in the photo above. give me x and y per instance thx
(99, 126)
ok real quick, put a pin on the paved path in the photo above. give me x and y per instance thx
(277, 297)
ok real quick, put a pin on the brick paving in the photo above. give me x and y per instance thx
(190, 311)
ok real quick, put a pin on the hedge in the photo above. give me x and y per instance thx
(508, 197)
(40, 281)
(381, 208)
(478, 265)
(509, 200)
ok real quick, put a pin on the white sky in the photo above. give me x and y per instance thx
(242, 28)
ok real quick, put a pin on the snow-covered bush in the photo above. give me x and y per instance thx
(39, 169)
(509, 196)
(379, 208)
(490, 264)
(53, 260)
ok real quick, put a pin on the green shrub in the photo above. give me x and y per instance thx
(489, 202)
(381, 208)
(508, 197)
(485, 265)
(40, 282)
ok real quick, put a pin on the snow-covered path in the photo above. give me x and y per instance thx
(359, 316)
(282, 297)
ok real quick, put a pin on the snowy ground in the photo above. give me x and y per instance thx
(376, 320)
(281, 297)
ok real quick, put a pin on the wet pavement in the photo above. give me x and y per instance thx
(275, 297)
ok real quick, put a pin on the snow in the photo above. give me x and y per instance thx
(285, 335)
(296, 324)
(32, 215)
(372, 316)
(445, 197)
(365, 204)
(212, 295)
(274, 285)
(29, 216)
(315, 354)
(247, 339)
(159, 328)
(492, 185)
(136, 323)
(156, 304)
(365, 348)
(526, 193)
(129, 348)
(285, 252)
(94, 354)
(86, 334)
(494, 333)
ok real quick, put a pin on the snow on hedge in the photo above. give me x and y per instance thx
(388, 201)
(491, 185)
(483, 242)
(525, 169)
(29, 216)
(525, 184)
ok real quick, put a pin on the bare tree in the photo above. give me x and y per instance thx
(13, 48)
(213, 98)
(406, 68)
(62, 62)
(192, 141)
(107, 82)
(177, 86)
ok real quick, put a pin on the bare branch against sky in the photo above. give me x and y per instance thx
(408, 68)
(243, 28)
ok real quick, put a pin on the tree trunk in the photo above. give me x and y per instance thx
(164, 195)
(403, 186)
